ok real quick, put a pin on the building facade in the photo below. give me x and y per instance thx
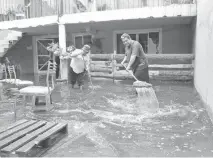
(161, 26)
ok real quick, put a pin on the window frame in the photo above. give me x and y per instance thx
(137, 32)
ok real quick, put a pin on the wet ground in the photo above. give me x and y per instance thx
(104, 121)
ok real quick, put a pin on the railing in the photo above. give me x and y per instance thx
(23, 9)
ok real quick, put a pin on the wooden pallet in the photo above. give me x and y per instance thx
(30, 137)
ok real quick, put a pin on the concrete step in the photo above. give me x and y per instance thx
(3, 42)
(8, 38)
(5, 45)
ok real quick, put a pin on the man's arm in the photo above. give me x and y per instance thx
(125, 57)
(132, 60)
(75, 54)
(124, 60)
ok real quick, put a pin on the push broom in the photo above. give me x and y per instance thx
(146, 95)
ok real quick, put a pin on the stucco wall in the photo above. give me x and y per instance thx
(22, 53)
(203, 51)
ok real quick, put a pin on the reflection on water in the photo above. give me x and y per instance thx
(105, 121)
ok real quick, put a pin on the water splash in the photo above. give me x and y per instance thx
(147, 99)
(95, 87)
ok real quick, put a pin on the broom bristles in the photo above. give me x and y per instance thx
(147, 99)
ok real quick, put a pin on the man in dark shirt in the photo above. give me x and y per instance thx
(136, 58)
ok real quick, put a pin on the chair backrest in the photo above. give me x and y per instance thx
(11, 71)
(51, 72)
(3, 69)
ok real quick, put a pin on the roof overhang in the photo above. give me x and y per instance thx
(36, 25)
(188, 10)
(27, 23)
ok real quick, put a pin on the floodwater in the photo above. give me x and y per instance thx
(106, 122)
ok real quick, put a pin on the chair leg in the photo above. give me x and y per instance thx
(47, 100)
(24, 104)
(51, 101)
(14, 107)
(33, 100)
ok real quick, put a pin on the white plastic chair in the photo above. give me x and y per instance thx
(12, 77)
(3, 70)
(17, 82)
(45, 91)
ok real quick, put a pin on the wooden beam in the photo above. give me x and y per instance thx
(159, 75)
(152, 58)
(100, 69)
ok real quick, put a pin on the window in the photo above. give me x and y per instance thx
(81, 40)
(150, 41)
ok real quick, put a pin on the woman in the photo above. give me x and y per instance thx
(79, 65)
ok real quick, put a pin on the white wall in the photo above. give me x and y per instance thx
(204, 52)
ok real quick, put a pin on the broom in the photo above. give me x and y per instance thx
(146, 94)
(91, 80)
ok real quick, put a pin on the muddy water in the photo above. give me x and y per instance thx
(106, 122)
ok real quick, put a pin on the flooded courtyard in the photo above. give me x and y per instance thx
(105, 121)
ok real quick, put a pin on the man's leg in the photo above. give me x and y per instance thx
(73, 77)
(142, 74)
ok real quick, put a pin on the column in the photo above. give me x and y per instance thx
(62, 44)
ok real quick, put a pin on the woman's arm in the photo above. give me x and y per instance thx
(76, 53)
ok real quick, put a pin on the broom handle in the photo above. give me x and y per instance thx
(130, 73)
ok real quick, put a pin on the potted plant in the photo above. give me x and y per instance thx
(11, 14)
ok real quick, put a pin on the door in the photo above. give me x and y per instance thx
(43, 55)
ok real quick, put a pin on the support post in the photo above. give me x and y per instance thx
(62, 45)
(113, 65)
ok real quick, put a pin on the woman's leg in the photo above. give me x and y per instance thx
(73, 77)
(80, 79)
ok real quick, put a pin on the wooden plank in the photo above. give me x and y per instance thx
(27, 147)
(166, 67)
(20, 134)
(16, 129)
(27, 138)
(3, 129)
(50, 132)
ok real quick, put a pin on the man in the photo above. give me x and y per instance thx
(79, 65)
(135, 58)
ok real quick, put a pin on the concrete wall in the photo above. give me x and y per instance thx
(203, 51)
(176, 38)
(22, 53)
